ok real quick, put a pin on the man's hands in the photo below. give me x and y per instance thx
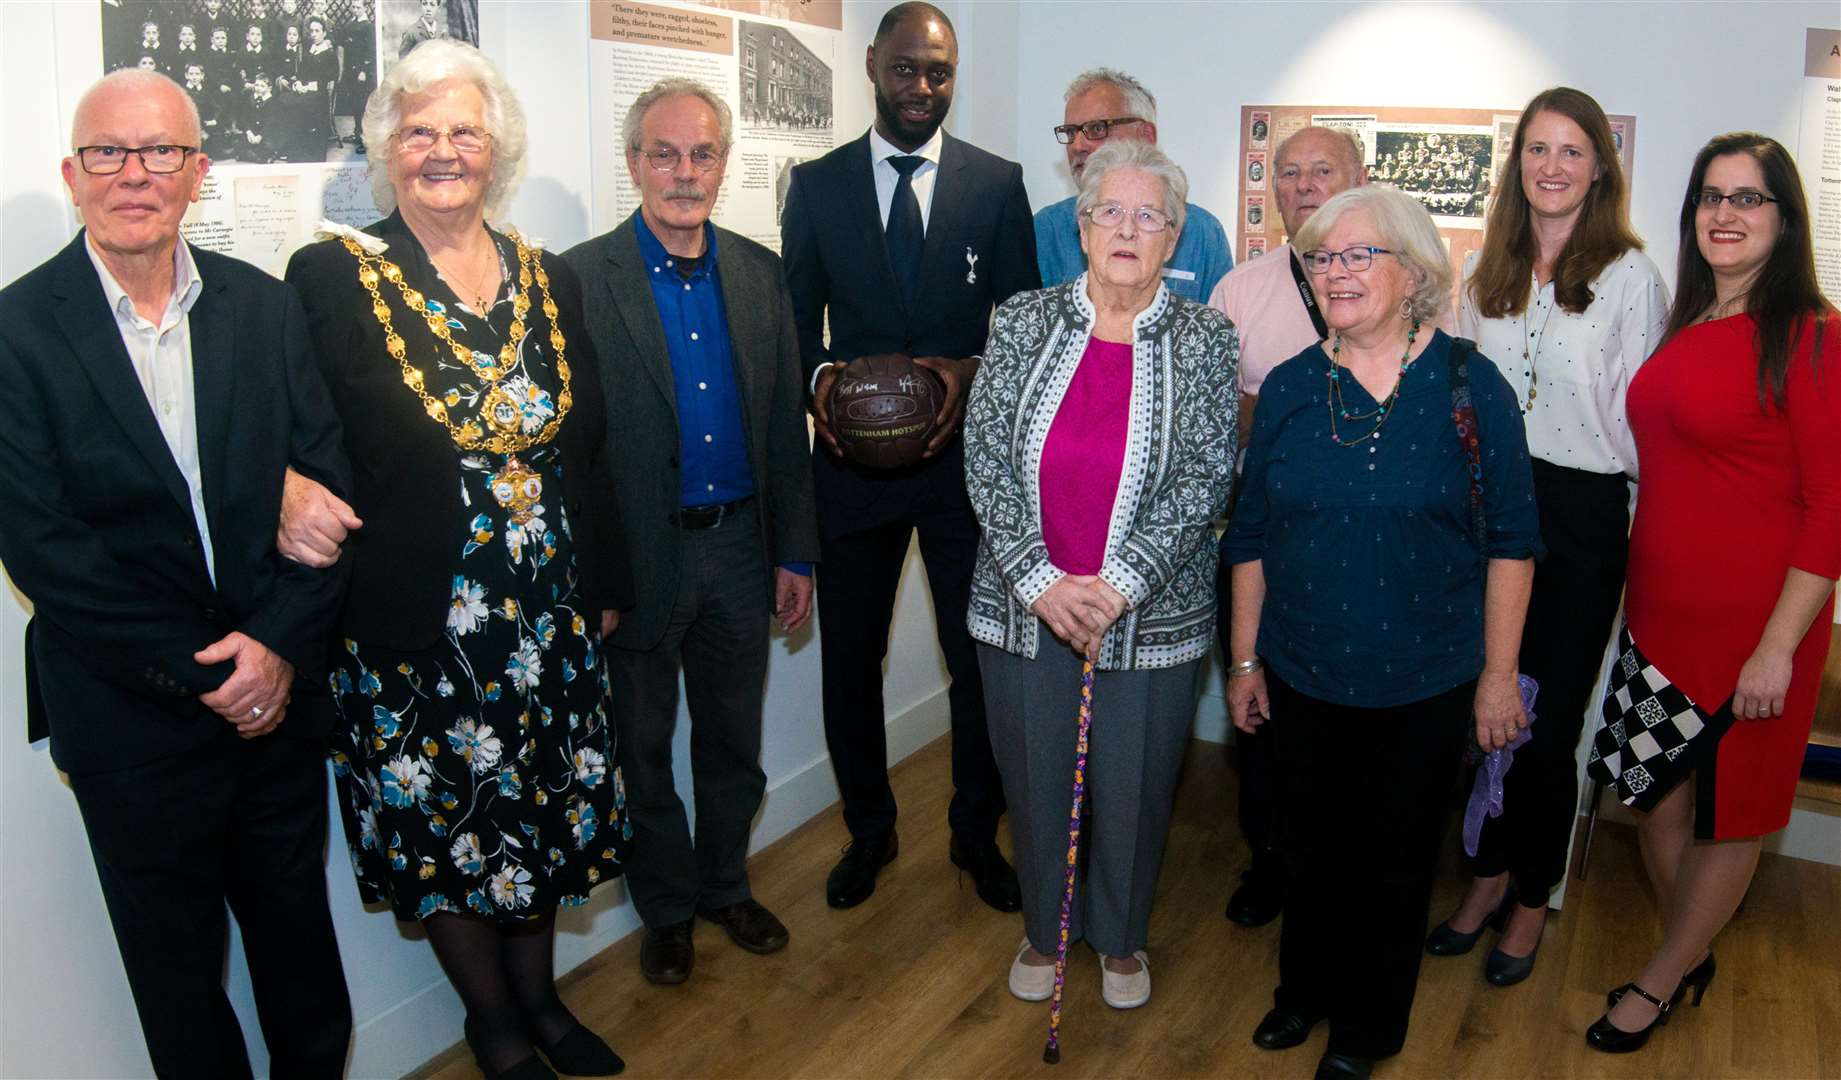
(255, 696)
(792, 598)
(1079, 609)
(314, 522)
(957, 375)
(821, 408)
(610, 622)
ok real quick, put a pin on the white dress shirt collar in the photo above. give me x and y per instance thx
(186, 283)
(880, 149)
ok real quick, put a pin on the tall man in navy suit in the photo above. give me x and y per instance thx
(908, 239)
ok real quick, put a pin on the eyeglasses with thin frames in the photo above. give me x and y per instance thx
(160, 159)
(1709, 199)
(1109, 216)
(463, 137)
(666, 158)
(1355, 259)
(1094, 130)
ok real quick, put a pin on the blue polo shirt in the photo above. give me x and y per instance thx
(1202, 256)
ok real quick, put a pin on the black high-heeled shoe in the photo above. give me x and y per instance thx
(1611, 1039)
(1444, 941)
(1698, 978)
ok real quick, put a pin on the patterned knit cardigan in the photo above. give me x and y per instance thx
(1179, 466)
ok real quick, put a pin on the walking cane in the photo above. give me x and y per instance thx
(1052, 1052)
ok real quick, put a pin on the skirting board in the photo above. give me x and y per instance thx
(427, 1023)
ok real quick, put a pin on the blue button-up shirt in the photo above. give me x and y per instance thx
(1202, 256)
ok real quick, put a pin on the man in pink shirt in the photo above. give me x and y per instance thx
(1270, 303)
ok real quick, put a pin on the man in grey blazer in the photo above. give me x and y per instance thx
(699, 356)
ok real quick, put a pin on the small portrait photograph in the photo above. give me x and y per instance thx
(1256, 170)
(1262, 130)
(1256, 246)
(1256, 213)
(404, 24)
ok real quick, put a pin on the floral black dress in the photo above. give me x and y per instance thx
(479, 775)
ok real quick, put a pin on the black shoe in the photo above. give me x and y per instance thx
(583, 1053)
(1501, 969)
(1444, 941)
(1343, 1067)
(991, 873)
(531, 1068)
(853, 879)
(1608, 1037)
(666, 954)
(1260, 897)
(1698, 978)
(750, 925)
(1282, 1030)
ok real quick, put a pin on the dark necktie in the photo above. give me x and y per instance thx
(904, 232)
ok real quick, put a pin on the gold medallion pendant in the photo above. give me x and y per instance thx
(518, 489)
(498, 425)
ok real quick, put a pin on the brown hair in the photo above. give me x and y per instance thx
(1785, 299)
(1602, 234)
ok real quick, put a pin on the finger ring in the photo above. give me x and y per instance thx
(255, 710)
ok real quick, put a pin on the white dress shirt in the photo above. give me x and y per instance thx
(1581, 365)
(162, 359)
(881, 150)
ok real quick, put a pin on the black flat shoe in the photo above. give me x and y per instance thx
(1259, 899)
(1611, 1039)
(531, 1068)
(1698, 978)
(1282, 1030)
(992, 874)
(853, 879)
(583, 1053)
(1343, 1067)
(1444, 941)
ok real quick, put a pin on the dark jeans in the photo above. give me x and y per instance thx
(856, 600)
(1362, 794)
(718, 633)
(1258, 778)
(237, 822)
(1585, 524)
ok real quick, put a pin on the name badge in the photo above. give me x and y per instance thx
(1180, 275)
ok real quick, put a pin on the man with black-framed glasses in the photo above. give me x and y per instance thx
(693, 329)
(1105, 104)
(156, 395)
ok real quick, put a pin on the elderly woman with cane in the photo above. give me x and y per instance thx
(1099, 444)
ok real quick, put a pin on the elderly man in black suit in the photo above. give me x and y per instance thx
(907, 238)
(155, 394)
(706, 420)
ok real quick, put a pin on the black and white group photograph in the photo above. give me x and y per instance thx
(1447, 172)
(404, 24)
(782, 82)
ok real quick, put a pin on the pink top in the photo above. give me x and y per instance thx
(1083, 457)
(1260, 297)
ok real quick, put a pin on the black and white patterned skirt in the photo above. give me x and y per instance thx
(1654, 736)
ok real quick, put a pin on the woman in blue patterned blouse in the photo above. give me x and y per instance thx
(1378, 599)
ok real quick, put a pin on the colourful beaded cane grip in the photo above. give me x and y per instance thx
(1052, 1052)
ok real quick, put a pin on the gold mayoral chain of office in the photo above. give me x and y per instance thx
(498, 424)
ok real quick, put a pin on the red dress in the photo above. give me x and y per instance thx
(1732, 495)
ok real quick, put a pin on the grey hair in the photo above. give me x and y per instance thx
(1146, 158)
(1406, 230)
(432, 63)
(1138, 100)
(135, 79)
(1346, 140)
(670, 88)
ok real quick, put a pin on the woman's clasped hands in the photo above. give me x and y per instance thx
(1079, 609)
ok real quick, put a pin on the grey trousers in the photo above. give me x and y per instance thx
(1141, 722)
(718, 633)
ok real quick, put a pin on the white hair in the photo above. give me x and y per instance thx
(1138, 100)
(433, 63)
(1406, 230)
(670, 88)
(1146, 158)
(134, 79)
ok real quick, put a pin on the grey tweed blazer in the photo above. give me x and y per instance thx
(1179, 468)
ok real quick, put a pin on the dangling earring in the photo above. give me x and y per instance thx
(1406, 308)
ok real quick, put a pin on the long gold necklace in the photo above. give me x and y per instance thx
(498, 424)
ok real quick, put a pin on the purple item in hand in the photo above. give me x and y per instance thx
(1486, 793)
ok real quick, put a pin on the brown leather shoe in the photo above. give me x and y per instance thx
(666, 954)
(750, 925)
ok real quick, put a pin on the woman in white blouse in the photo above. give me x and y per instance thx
(1566, 304)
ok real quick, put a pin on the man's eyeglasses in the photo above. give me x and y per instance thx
(1094, 130)
(1355, 259)
(1709, 199)
(160, 159)
(666, 158)
(1109, 215)
(463, 137)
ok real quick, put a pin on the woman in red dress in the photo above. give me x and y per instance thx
(1733, 560)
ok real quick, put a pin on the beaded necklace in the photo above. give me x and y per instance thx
(500, 412)
(1381, 411)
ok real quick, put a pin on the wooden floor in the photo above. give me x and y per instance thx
(912, 983)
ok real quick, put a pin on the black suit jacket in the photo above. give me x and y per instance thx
(642, 410)
(837, 263)
(98, 529)
(405, 468)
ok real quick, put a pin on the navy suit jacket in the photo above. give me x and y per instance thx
(98, 529)
(837, 264)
